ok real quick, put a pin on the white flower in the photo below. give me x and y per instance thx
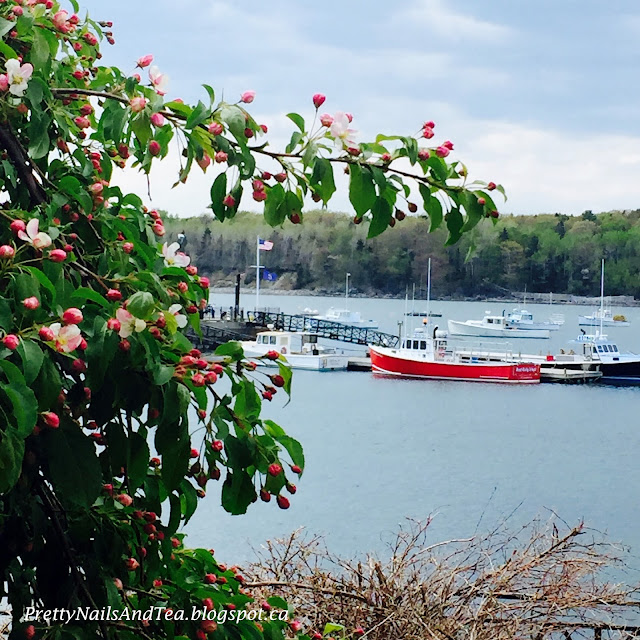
(173, 257)
(129, 323)
(181, 319)
(160, 81)
(39, 240)
(339, 129)
(18, 75)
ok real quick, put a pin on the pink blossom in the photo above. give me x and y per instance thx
(37, 238)
(160, 81)
(326, 120)
(248, 97)
(340, 130)
(18, 76)
(137, 104)
(173, 257)
(442, 152)
(128, 323)
(60, 21)
(68, 338)
(157, 119)
(216, 128)
(145, 61)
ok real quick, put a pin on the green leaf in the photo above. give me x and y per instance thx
(5, 27)
(381, 212)
(298, 120)
(137, 461)
(32, 358)
(454, 222)
(211, 92)
(84, 293)
(6, 316)
(362, 192)
(247, 404)
(234, 118)
(175, 464)
(238, 492)
(330, 627)
(198, 116)
(218, 193)
(44, 281)
(141, 305)
(322, 180)
(188, 500)
(25, 406)
(231, 349)
(74, 469)
(11, 456)
(274, 214)
(475, 211)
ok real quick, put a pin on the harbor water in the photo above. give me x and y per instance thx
(380, 450)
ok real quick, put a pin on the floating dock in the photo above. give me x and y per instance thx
(568, 376)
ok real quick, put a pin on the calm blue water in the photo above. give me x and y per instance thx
(380, 450)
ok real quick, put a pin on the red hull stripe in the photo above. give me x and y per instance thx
(507, 372)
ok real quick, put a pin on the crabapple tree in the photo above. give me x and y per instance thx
(113, 425)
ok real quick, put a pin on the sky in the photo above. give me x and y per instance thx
(542, 97)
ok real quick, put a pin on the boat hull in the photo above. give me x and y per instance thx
(457, 328)
(390, 362)
(310, 362)
(586, 321)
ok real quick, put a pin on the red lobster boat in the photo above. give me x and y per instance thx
(423, 356)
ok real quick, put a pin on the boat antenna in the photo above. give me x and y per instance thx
(428, 289)
(601, 296)
(346, 291)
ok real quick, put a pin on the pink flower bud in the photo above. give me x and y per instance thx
(145, 61)
(423, 154)
(248, 97)
(326, 120)
(58, 255)
(448, 144)
(137, 104)
(318, 100)
(158, 228)
(204, 282)
(127, 247)
(229, 201)
(191, 270)
(491, 186)
(86, 109)
(16, 226)
(82, 122)
(430, 123)
(51, 419)
(72, 315)
(157, 119)
(215, 128)
(11, 341)
(4, 82)
(442, 152)
(259, 196)
(113, 324)
(154, 147)
(46, 334)
(204, 162)
(221, 156)
(6, 252)
(427, 133)
(183, 287)
(31, 303)
(124, 499)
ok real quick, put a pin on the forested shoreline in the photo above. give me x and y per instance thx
(536, 253)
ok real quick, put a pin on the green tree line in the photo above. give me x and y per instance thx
(542, 253)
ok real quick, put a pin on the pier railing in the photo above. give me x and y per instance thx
(325, 329)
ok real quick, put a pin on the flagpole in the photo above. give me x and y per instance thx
(257, 272)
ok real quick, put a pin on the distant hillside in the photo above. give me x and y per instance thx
(547, 252)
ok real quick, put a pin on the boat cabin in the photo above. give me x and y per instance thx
(289, 342)
(598, 347)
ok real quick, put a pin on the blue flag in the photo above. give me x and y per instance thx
(269, 275)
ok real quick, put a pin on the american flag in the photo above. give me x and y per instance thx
(264, 245)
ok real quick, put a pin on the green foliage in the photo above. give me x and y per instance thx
(113, 425)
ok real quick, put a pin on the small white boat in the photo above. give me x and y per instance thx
(604, 318)
(523, 319)
(346, 317)
(493, 327)
(301, 351)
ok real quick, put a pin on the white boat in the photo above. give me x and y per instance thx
(301, 351)
(523, 319)
(493, 327)
(345, 316)
(603, 317)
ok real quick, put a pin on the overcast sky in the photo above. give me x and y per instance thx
(539, 96)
